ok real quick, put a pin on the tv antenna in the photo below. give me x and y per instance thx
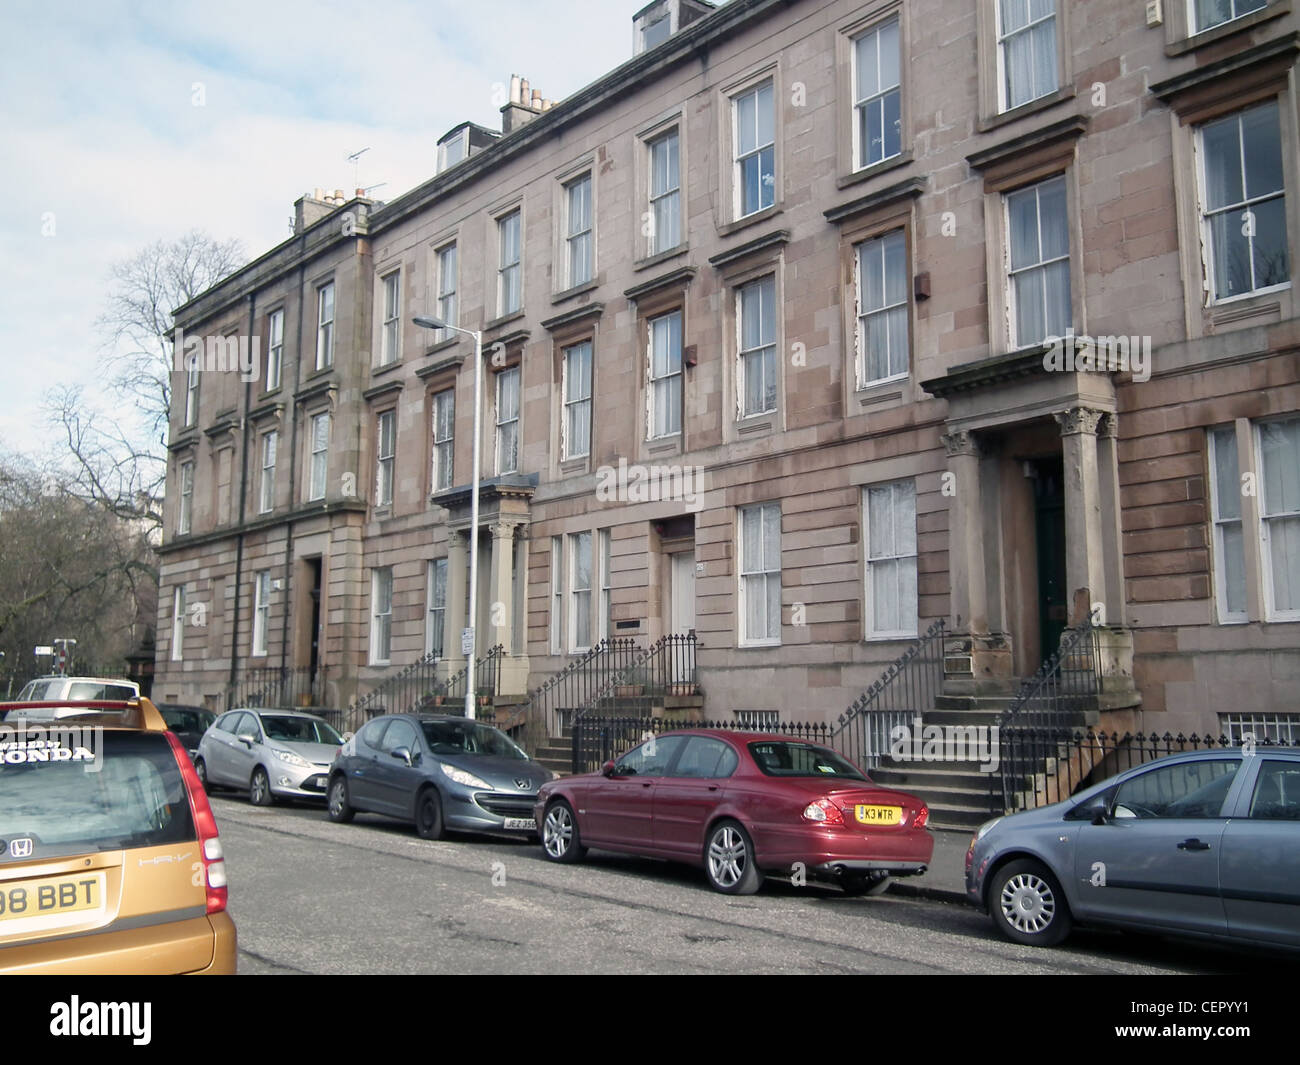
(355, 160)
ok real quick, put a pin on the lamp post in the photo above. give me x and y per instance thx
(428, 322)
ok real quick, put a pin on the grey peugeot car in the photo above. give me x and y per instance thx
(275, 754)
(439, 772)
(1203, 844)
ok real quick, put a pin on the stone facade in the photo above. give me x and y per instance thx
(1012, 495)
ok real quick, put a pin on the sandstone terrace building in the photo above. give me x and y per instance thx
(871, 219)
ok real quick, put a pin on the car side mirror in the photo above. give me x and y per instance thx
(402, 754)
(1098, 811)
(247, 740)
(608, 769)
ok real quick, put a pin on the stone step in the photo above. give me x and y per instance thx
(910, 779)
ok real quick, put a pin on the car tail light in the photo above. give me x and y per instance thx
(823, 812)
(922, 816)
(214, 862)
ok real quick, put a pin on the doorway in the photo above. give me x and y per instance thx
(682, 593)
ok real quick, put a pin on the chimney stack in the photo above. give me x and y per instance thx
(526, 103)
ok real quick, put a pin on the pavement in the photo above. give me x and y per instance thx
(946, 877)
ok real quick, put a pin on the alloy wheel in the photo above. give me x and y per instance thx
(557, 831)
(1028, 903)
(728, 856)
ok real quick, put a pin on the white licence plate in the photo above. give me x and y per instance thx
(520, 824)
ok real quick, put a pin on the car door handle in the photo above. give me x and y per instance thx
(645, 783)
(1193, 845)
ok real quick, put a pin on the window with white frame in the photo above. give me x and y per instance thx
(1229, 534)
(577, 401)
(385, 456)
(760, 574)
(1243, 202)
(274, 350)
(557, 595)
(1206, 14)
(756, 335)
(447, 281)
(185, 515)
(580, 591)
(178, 623)
(266, 497)
(579, 239)
(507, 416)
(889, 524)
(665, 193)
(1038, 262)
(1278, 444)
(664, 370)
(606, 585)
(877, 92)
(192, 391)
(509, 265)
(1283, 728)
(434, 635)
(320, 444)
(1026, 51)
(754, 121)
(444, 443)
(261, 611)
(325, 326)
(882, 333)
(381, 615)
(390, 341)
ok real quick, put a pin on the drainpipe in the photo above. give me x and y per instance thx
(243, 505)
(293, 462)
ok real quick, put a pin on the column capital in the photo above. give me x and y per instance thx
(1079, 420)
(1109, 425)
(961, 442)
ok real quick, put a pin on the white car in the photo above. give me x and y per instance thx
(58, 689)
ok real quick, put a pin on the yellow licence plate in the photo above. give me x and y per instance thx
(878, 815)
(56, 895)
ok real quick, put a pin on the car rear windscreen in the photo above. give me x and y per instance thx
(778, 758)
(72, 791)
(92, 690)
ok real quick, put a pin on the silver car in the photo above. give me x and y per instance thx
(275, 754)
(1203, 844)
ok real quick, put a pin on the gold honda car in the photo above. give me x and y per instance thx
(110, 861)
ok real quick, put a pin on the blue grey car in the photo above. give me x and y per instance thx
(1204, 844)
(439, 772)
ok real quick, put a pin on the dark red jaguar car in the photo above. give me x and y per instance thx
(742, 805)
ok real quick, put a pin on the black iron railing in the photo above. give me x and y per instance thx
(666, 667)
(285, 687)
(906, 690)
(1081, 757)
(598, 739)
(417, 688)
(1047, 710)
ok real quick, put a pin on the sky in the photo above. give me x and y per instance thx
(128, 122)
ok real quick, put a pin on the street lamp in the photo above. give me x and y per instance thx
(427, 322)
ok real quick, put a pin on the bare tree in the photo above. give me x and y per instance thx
(119, 460)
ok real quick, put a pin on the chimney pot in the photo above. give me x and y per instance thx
(515, 90)
(523, 91)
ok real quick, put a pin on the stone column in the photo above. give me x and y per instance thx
(965, 534)
(1085, 572)
(1111, 527)
(974, 659)
(457, 584)
(501, 589)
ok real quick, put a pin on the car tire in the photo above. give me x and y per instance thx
(560, 839)
(259, 788)
(336, 801)
(1028, 905)
(729, 860)
(859, 884)
(201, 771)
(428, 815)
